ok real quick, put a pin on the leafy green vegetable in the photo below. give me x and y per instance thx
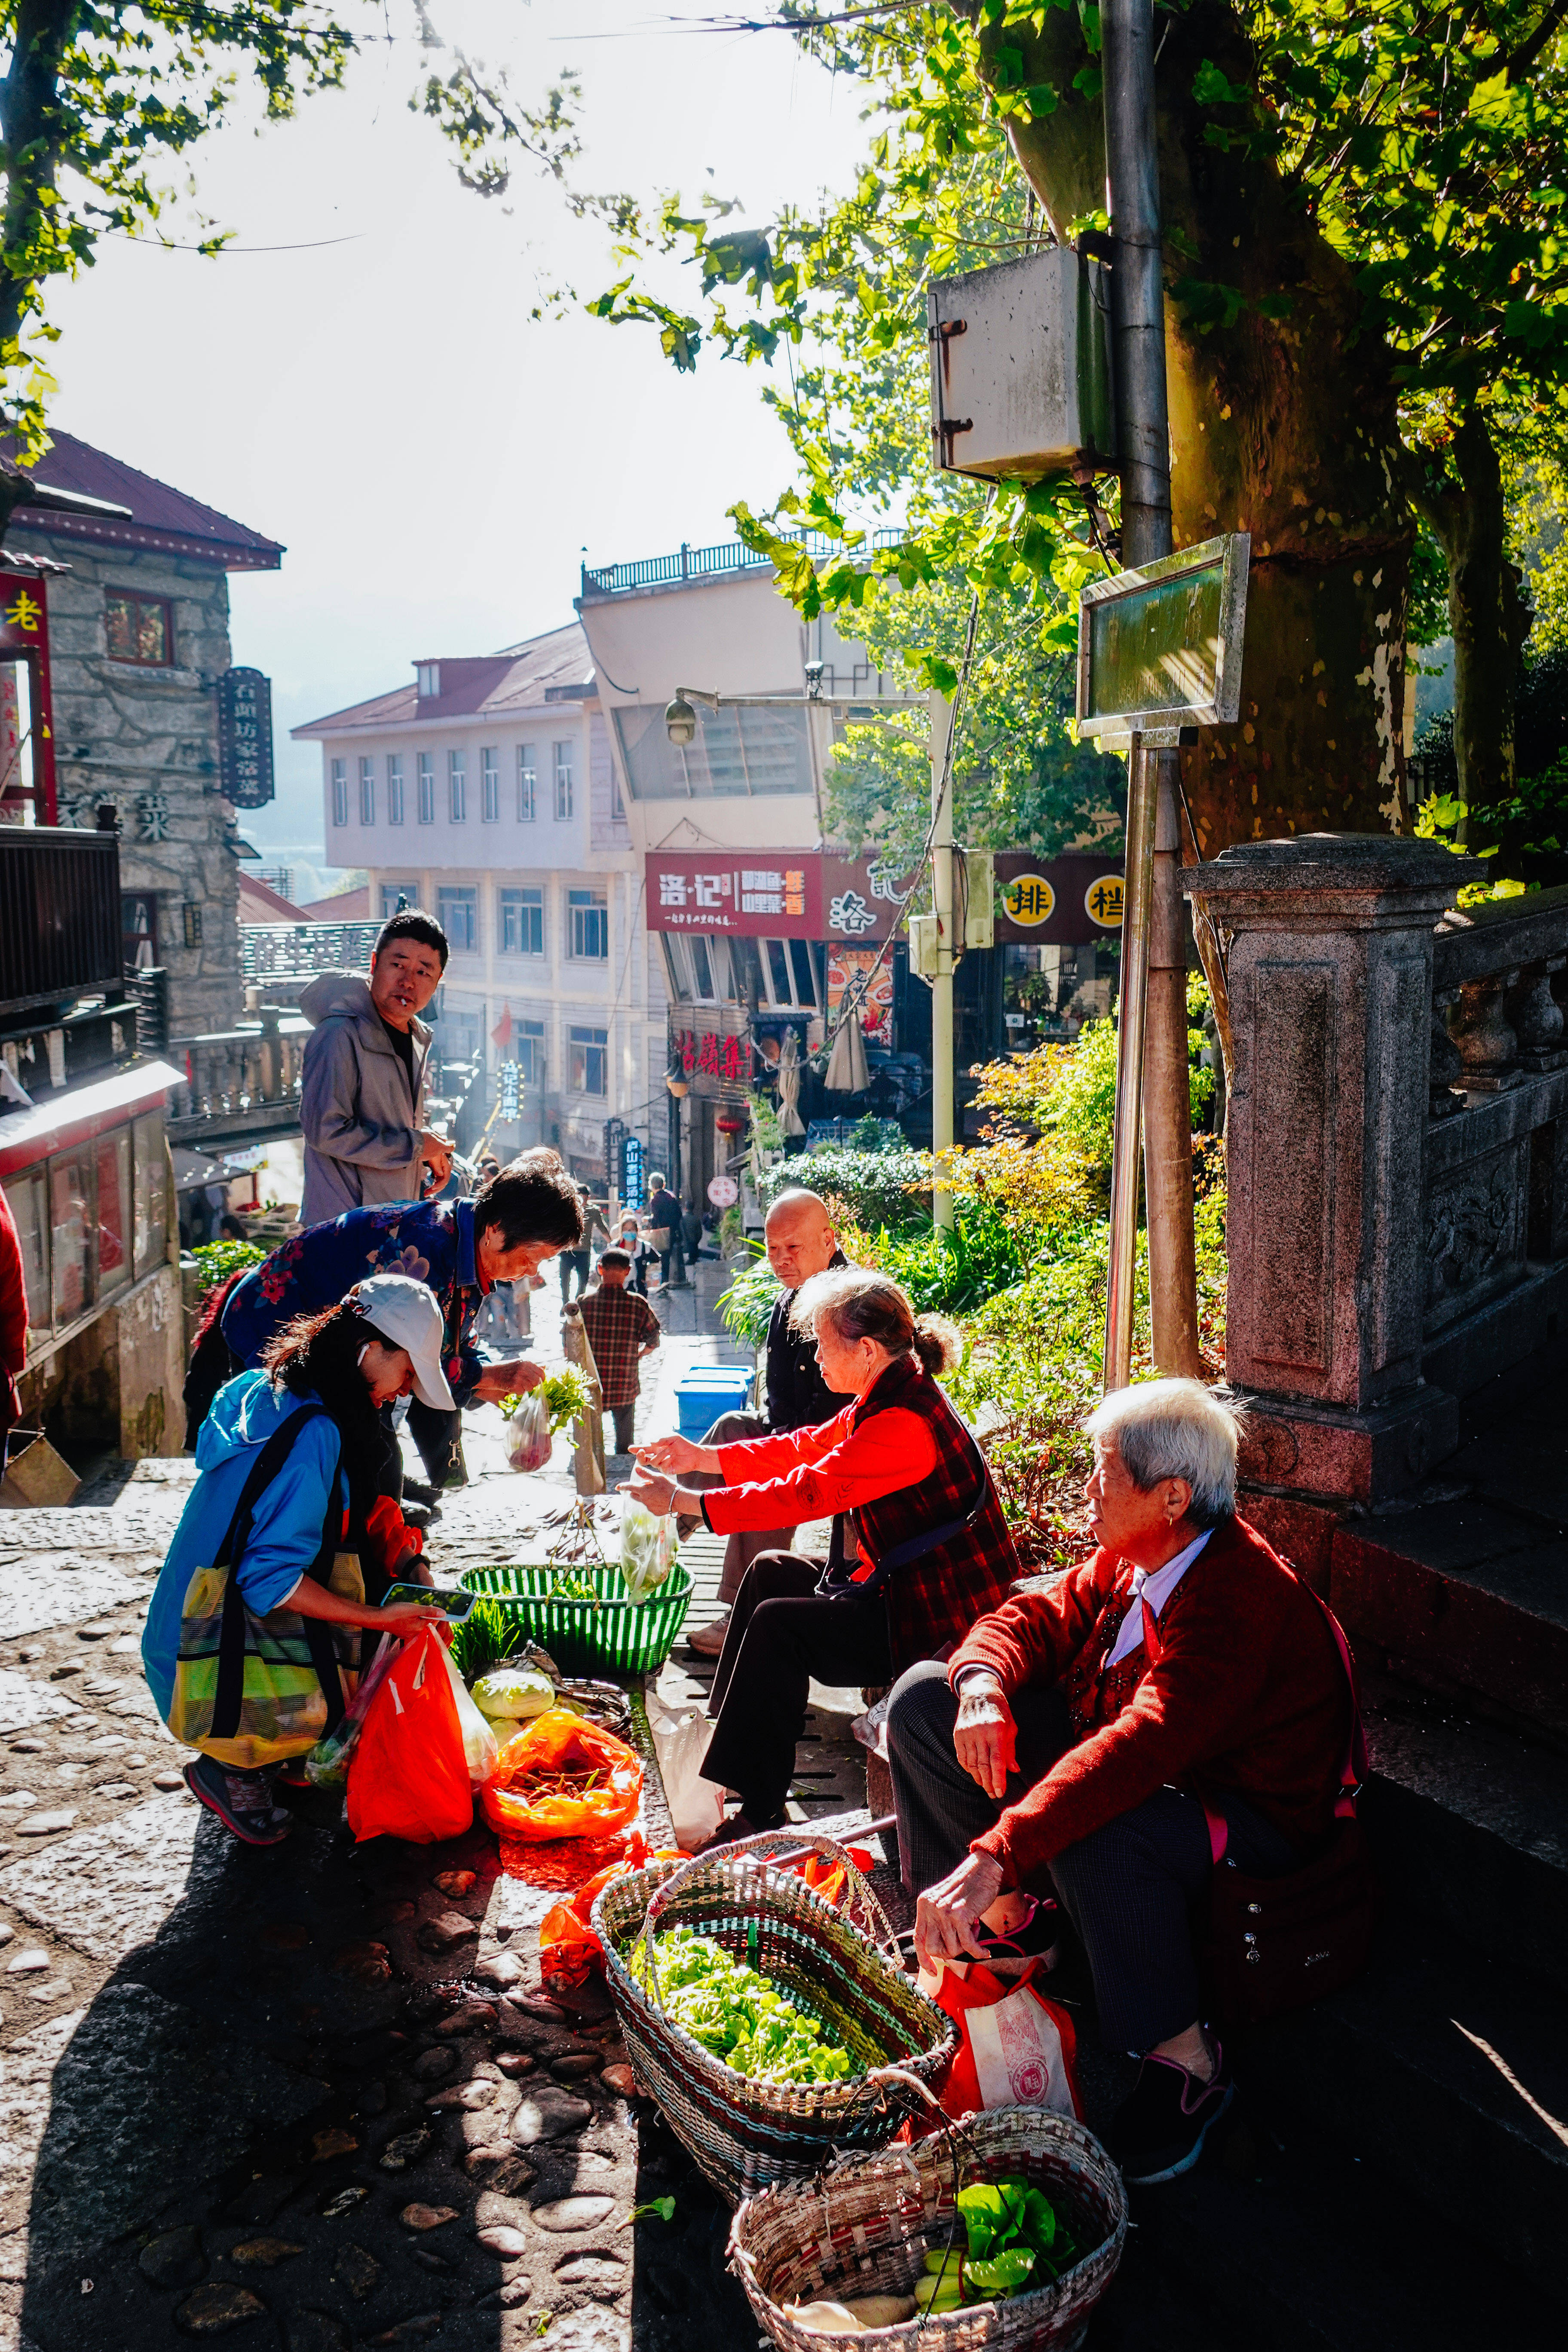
(1003, 2274)
(487, 1635)
(737, 2015)
(512, 1693)
(565, 1395)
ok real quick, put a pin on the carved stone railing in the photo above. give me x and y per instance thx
(239, 1081)
(1396, 1147)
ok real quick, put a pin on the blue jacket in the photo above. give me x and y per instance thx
(432, 1241)
(286, 1525)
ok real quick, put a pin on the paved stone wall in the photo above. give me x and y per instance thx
(147, 739)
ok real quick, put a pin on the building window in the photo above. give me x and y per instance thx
(527, 784)
(457, 908)
(529, 1036)
(590, 926)
(617, 806)
(489, 769)
(396, 895)
(394, 788)
(138, 929)
(563, 780)
(367, 791)
(590, 1060)
(427, 679)
(139, 629)
(788, 978)
(426, 788)
(523, 922)
(340, 792)
(458, 784)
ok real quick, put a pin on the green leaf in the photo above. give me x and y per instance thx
(1004, 2273)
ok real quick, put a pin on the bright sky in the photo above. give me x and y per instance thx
(435, 461)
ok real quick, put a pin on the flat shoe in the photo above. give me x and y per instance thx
(708, 1641)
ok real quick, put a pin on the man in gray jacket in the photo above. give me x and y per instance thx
(362, 1096)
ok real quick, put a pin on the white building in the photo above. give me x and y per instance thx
(484, 790)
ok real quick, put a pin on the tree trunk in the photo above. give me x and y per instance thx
(1283, 427)
(1487, 612)
(30, 248)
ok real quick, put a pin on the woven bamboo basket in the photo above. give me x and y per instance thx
(867, 2225)
(840, 1966)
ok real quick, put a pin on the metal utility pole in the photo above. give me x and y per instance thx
(942, 1134)
(1152, 1048)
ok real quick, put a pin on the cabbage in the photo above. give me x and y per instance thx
(513, 1694)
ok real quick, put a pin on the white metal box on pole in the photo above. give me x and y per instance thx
(1020, 369)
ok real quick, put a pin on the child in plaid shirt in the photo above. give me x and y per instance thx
(622, 1328)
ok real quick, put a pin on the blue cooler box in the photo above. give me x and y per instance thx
(706, 1392)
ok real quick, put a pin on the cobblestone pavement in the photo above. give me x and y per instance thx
(311, 2096)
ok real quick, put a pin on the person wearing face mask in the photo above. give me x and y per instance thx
(314, 1400)
(921, 1548)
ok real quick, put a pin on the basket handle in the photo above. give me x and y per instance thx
(859, 1887)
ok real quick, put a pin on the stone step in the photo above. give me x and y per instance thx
(1448, 2075)
(1462, 1595)
(1468, 1824)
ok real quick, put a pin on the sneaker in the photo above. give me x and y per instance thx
(242, 1802)
(708, 1641)
(1158, 2132)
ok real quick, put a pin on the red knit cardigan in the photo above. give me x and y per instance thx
(1246, 1695)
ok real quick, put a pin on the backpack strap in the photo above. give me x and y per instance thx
(835, 1584)
(229, 1692)
(1353, 1771)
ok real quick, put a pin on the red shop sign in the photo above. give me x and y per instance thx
(24, 635)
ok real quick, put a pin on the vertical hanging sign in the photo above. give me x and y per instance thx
(245, 737)
(24, 637)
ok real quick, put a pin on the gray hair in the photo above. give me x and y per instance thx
(1177, 1428)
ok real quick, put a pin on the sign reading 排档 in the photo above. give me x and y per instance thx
(1057, 902)
(245, 737)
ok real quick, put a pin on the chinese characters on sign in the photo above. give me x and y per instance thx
(713, 1056)
(151, 816)
(245, 737)
(770, 894)
(1065, 901)
(29, 750)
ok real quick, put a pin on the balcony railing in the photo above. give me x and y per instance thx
(706, 563)
(60, 915)
(291, 951)
(243, 1081)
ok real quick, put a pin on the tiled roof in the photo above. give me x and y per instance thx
(516, 678)
(260, 903)
(162, 519)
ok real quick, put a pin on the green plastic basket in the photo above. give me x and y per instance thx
(628, 1637)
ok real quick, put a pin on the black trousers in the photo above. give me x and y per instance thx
(624, 1415)
(438, 1436)
(573, 1261)
(781, 1634)
(1128, 1888)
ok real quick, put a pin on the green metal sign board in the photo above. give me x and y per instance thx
(1162, 645)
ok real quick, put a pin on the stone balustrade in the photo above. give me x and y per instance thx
(1396, 1147)
(249, 1076)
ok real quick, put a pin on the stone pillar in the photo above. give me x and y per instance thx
(1329, 962)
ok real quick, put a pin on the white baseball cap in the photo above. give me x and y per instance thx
(405, 1312)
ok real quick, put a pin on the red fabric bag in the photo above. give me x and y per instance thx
(1016, 2048)
(409, 1776)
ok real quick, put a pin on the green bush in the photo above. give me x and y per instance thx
(748, 1303)
(218, 1260)
(870, 1188)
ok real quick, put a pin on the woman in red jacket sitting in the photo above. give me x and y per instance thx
(921, 1547)
(1077, 1734)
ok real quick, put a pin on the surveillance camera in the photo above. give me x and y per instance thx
(681, 721)
(814, 680)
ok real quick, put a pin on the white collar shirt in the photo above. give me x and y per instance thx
(1155, 1591)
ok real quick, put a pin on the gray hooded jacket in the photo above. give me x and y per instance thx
(360, 1130)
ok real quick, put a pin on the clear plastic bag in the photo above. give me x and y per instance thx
(480, 1745)
(647, 1548)
(327, 1765)
(527, 1439)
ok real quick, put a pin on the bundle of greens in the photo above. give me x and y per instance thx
(563, 1394)
(1016, 2238)
(736, 2014)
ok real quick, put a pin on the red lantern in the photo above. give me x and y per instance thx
(730, 1124)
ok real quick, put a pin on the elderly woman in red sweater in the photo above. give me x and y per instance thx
(1077, 1736)
(922, 1548)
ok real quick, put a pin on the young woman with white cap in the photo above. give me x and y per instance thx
(330, 1372)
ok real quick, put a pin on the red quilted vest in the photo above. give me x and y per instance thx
(933, 1600)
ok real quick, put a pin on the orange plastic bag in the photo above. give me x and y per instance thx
(409, 1776)
(568, 1947)
(557, 1742)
